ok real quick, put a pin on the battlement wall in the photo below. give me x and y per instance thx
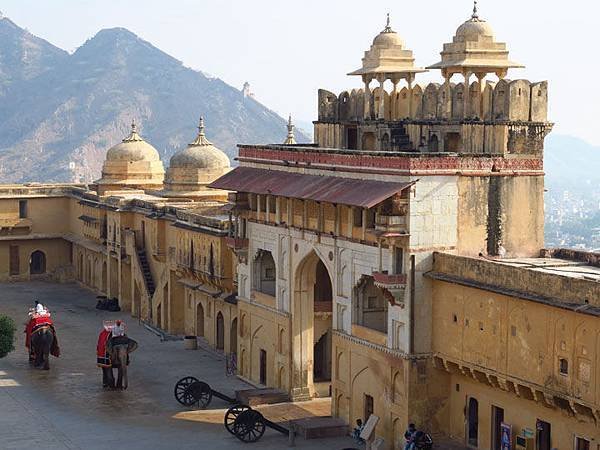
(505, 100)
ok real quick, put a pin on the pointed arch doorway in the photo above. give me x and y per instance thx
(311, 329)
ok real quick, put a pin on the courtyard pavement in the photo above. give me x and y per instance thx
(67, 408)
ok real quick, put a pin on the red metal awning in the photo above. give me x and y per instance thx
(345, 191)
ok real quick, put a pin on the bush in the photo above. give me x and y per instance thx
(7, 335)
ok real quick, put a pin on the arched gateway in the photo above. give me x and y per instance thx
(311, 328)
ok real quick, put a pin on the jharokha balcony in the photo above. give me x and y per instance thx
(393, 286)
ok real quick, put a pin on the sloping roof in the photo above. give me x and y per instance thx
(345, 191)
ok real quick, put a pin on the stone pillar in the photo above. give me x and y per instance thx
(410, 80)
(481, 80)
(466, 92)
(381, 106)
(367, 99)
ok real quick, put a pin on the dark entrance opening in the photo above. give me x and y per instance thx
(369, 407)
(37, 263)
(497, 419)
(352, 139)
(323, 305)
(542, 438)
(473, 422)
(263, 367)
(220, 332)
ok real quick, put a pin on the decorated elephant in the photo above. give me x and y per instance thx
(119, 348)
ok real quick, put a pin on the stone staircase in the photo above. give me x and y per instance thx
(145, 267)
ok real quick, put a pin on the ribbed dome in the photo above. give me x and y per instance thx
(132, 148)
(473, 29)
(388, 38)
(200, 154)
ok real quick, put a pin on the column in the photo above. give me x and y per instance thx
(381, 106)
(480, 79)
(466, 92)
(410, 80)
(367, 98)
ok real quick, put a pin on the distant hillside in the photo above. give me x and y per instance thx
(571, 162)
(60, 113)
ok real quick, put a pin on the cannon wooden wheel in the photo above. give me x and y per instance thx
(182, 394)
(232, 414)
(249, 426)
(200, 392)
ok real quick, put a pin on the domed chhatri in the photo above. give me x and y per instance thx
(132, 148)
(131, 164)
(387, 59)
(474, 51)
(193, 168)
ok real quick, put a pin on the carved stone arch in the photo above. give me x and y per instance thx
(458, 101)
(501, 101)
(584, 364)
(344, 106)
(430, 101)
(417, 102)
(519, 100)
(370, 305)
(403, 104)
(398, 386)
(488, 100)
(264, 272)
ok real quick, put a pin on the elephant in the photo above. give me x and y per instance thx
(42, 341)
(119, 348)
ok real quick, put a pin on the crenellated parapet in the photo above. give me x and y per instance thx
(502, 101)
(503, 117)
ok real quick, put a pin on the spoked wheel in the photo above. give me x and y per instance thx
(249, 426)
(182, 394)
(232, 414)
(201, 392)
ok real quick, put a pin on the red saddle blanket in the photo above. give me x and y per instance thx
(102, 357)
(36, 323)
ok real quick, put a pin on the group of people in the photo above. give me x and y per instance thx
(414, 439)
(38, 310)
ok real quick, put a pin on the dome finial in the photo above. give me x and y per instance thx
(201, 138)
(475, 14)
(290, 140)
(388, 28)
(133, 136)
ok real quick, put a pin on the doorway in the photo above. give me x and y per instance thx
(497, 419)
(200, 320)
(37, 263)
(159, 316)
(233, 337)
(263, 367)
(220, 332)
(369, 407)
(473, 422)
(542, 436)
(582, 444)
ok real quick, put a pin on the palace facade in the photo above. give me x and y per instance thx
(396, 265)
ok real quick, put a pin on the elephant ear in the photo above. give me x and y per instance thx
(131, 345)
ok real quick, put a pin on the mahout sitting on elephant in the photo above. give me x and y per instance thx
(114, 347)
(40, 337)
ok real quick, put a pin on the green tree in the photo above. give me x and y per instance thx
(7, 335)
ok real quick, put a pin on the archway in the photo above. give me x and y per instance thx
(233, 337)
(264, 273)
(37, 263)
(311, 323)
(200, 320)
(473, 422)
(103, 287)
(80, 268)
(368, 141)
(159, 316)
(220, 332)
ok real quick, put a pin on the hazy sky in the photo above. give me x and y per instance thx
(288, 49)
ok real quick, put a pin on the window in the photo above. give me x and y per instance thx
(374, 302)
(14, 268)
(370, 218)
(563, 366)
(22, 209)
(398, 260)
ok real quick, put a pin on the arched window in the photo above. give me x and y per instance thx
(434, 144)
(220, 332)
(37, 263)
(264, 273)
(370, 306)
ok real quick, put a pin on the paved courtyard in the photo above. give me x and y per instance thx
(67, 408)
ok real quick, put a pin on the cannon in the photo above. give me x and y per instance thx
(248, 425)
(190, 391)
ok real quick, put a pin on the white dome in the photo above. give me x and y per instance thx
(132, 148)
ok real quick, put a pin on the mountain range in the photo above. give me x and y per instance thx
(60, 112)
